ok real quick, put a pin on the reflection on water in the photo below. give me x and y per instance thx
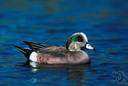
(74, 73)
(76, 76)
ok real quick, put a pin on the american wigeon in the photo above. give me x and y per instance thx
(73, 53)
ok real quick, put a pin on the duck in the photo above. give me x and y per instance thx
(72, 53)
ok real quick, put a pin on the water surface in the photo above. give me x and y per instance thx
(52, 21)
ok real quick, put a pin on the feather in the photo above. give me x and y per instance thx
(35, 46)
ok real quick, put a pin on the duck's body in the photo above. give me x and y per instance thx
(71, 54)
(60, 55)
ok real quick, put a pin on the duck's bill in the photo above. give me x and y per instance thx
(88, 46)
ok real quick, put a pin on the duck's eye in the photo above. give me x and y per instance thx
(80, 38)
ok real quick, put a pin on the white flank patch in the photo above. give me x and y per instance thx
(33, 57)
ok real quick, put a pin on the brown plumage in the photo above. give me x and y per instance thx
(71, 54)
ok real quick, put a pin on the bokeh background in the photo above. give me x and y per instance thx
(51, 21)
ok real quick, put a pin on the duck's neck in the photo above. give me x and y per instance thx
(74, 47)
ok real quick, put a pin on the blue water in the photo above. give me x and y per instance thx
(51, 21)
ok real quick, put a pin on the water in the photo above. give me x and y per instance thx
(52, 21)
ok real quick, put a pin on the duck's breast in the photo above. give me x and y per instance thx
(78, 57)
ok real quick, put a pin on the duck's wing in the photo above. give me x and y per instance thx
(35, 46)
(55, 51)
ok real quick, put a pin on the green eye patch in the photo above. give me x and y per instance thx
(74, 38)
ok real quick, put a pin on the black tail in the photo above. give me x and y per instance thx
(26, 52)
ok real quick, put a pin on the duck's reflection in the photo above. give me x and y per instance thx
(75, 73)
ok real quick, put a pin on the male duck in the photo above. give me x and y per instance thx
(71, 54)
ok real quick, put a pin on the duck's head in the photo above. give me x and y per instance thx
(77, 42)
